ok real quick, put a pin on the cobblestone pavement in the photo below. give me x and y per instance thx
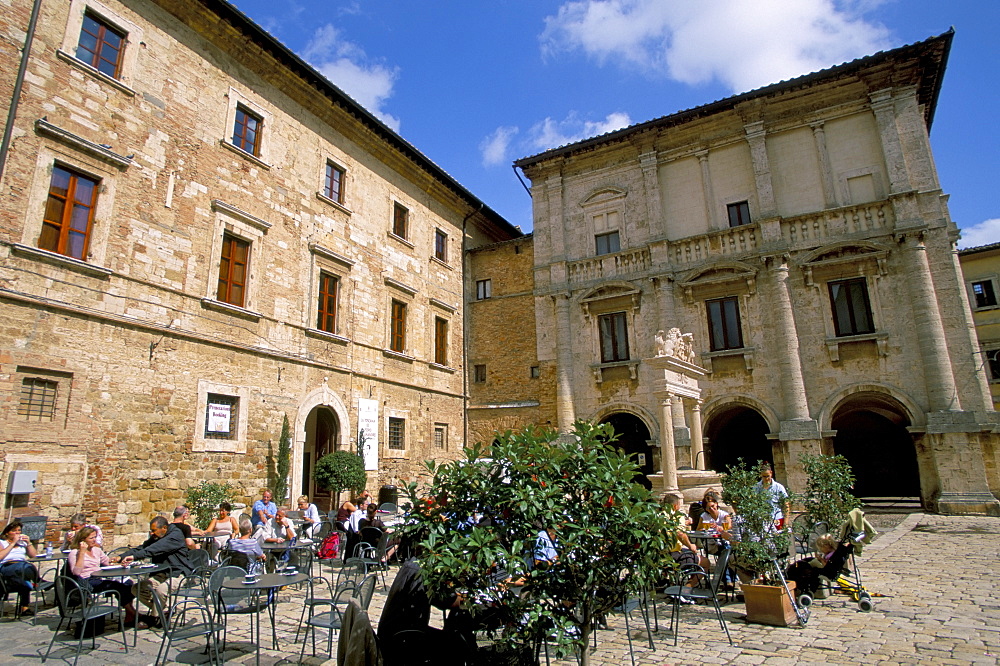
(941, 606)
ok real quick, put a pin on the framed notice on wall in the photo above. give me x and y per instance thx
(368, 431)
(218, 417)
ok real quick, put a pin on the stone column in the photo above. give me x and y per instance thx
(761, 170)
(892, 147)
(825, 168)
(668, 457)
(939, 378)
(793, 390)
(697, 445)
(565, 410)
(707, 191)
(682, 436)
(651, 185)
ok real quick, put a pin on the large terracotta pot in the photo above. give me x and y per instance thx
(769, 604)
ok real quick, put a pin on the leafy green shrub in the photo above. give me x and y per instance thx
(827, 497)
(204, 500)
(756, 542)
(339, 471)
(613, 537)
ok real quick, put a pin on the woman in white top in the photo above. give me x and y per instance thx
(310, 517)
(224, 526)
(713, 519)
(18, 574)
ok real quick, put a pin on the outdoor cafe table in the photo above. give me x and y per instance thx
(139, 571)
(265, 582)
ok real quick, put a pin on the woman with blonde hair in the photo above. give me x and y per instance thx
(310, 517)
(88, 558)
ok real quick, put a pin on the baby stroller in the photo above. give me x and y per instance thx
(840, 574)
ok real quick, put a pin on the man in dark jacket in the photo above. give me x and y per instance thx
(165, 545)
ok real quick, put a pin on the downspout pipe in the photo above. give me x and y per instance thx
(465, 328)
(18, 85)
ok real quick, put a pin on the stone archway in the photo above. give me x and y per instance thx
(736, 431)
(872, 434)
(633, 439)
(320, 397)
(322, 437)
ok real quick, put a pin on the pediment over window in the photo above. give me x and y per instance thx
(716, 275)
(603, 195)
(858, 257)
(611, 295)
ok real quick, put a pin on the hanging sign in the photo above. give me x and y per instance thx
(368, 432)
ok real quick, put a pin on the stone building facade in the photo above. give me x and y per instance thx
(981, 269)
(200, 235)
(799, 234)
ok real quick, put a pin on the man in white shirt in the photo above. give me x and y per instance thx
(277, 530)
(776, 494)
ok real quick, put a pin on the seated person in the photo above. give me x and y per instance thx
(165, 545)
(19, 575)
(371, 519)
(806, 572)
(277, 530)
(88, 558)
(181, 515)
(684, 552)
(345, 512)
(353, 523)
(246, 544)
(76, 521)
(224, 526)
(310, 518)
(714, 520)
(546, 547)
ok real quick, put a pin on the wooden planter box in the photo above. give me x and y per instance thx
(769, 604)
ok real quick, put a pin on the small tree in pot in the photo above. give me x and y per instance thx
(340, 471)
(827, 498)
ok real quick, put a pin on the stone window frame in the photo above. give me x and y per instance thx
(124, 78)
(991, 361)
(439, 428)
(238, 444)
(60, 148)
(398, 208)
(612, 298)
(841, 261)
(445, 312)
(739, 323)
(479, 373)
(37, 429)
(402, 293)
(237, 99)
(602, 202)
(325, 260)
(440, 253)
(848, 282)
(738, 202)
(323, 194)
(235, 222)
(240, 135)
(994, 280)
(484, 289)
(723, 279)
(404, 416)
(614, 317)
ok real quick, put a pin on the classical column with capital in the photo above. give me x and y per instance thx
(697, 446)
(668, 457)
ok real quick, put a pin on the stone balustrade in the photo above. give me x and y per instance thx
(619, 264)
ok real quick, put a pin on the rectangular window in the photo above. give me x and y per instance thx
(400, 218)
(484, 289)
(985, 294)
(397, 327)
(535, 372)
(100, 45)
(38, 399)
(608, 243)
(994, 364)
(614, 337)
(441, 245)
(739, 213)
(441, 436)
(246, 130)
(479, 374)
(440, 341)
(233, 268)
(69, 213)
(852, 313)
(724, 323)
(221, 416)
(333, 188)
(397, 434)
(326, 319)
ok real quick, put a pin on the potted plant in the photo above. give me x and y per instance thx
(759, 548)
(486, 513)
(827, 498)
(340, 471)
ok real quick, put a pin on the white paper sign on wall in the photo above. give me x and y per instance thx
(368, 424)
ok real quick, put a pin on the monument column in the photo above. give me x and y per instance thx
(697, 446)
(668, 457)
(565, 410)
(793, 389)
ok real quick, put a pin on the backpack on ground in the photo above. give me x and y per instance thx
(330, 546)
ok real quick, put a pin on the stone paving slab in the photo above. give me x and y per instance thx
(941, 606)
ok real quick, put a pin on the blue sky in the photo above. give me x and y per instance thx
(476, 85)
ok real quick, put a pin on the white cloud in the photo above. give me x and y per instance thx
(983, 233)
(744, 44)
(347, 66)
(494, 147)
(551, 133)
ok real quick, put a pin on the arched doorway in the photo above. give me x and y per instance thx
(872, 435)
(633, 439)
(322, 435)
(733, 433)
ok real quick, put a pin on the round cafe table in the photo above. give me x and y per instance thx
(260, 583)
(138, 571)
